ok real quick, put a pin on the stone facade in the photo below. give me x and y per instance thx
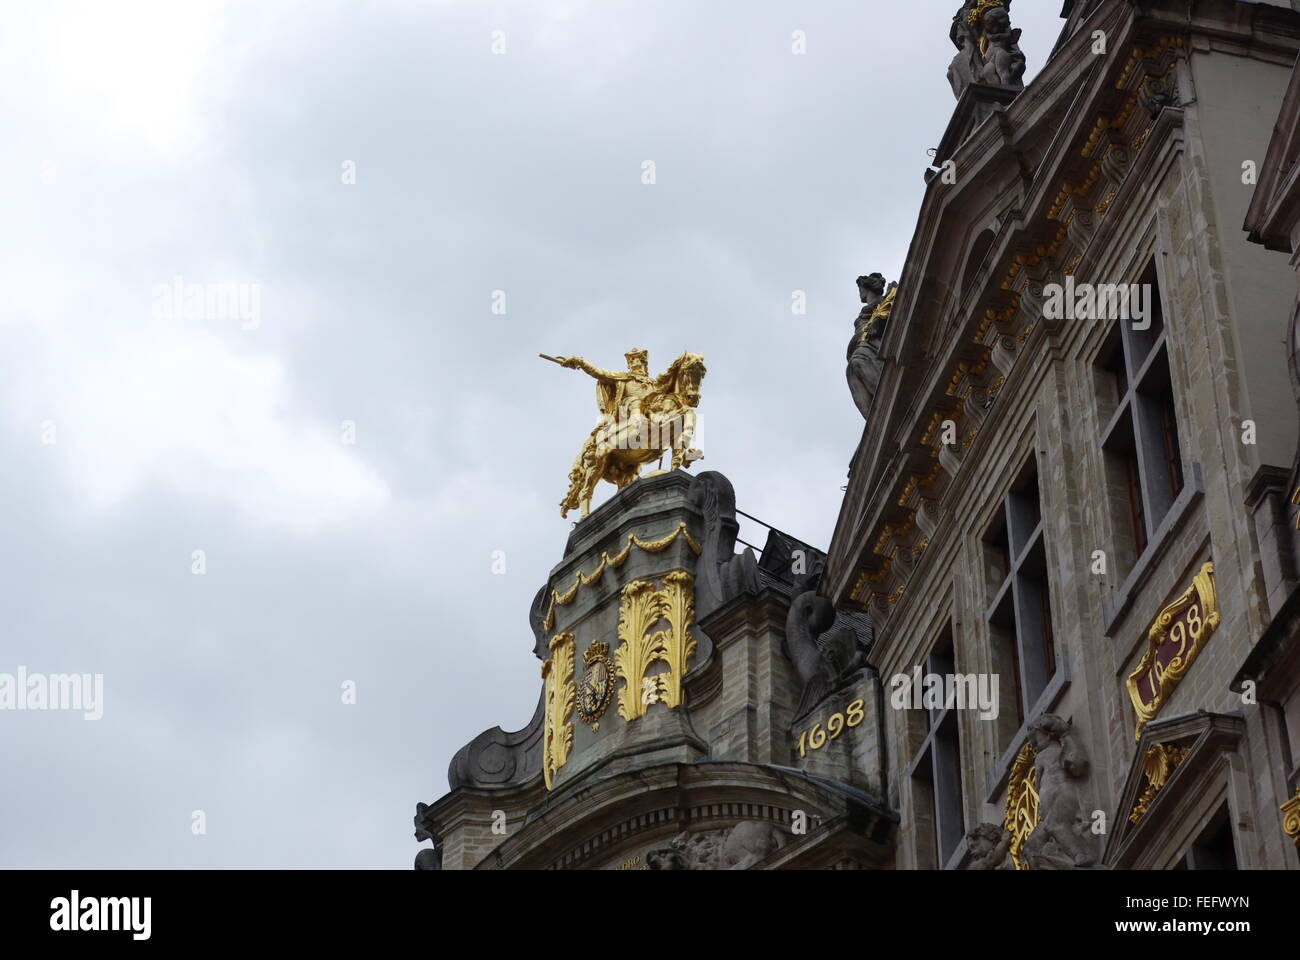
(1271, 672)
(1057, 624)
(1033, 491)
(698, 755)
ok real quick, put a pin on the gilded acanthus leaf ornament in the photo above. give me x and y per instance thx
(642, 608)
(641, 647)
(641, 418)
(679, 645)
(561, 697)
(1158, 765)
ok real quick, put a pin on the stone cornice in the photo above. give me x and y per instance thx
(1275, 206)
(966, 359)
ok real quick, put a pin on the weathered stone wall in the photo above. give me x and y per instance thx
(618, 793)
(1224, 302)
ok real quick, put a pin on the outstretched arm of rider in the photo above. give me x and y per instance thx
(577, 363)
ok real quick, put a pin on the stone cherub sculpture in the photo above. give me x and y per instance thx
(988, 49)
(1004, 64)
(990, 848)
(1062, 839)
(864, 362)
(642, 417)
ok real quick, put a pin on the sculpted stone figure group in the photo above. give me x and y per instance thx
(1063, 838)
(736, 848)
(988, 48)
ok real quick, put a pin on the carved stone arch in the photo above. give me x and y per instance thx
(629, 820)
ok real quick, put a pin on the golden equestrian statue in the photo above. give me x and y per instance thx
(642, 417)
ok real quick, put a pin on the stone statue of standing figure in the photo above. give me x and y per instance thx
(864, 362)
(967, 66)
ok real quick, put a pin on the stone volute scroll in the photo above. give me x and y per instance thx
(826, 657)
(722, 574)
(865, 364)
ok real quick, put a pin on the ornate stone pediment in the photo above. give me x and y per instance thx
(1177, 760)
(1048, 823)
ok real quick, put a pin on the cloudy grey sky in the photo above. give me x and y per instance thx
(143, 142)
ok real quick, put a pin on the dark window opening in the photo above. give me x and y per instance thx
(936, 770)
(1214, 849)
(1141, 440)
(1019, 617)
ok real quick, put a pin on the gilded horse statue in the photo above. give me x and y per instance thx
(642, 418)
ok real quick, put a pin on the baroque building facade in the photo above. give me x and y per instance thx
(1056, 624)
(1075, 473)
(688, 717)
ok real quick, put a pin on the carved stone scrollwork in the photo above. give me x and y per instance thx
(928, 515)
(981, 398)
(1032, 300)
(822, 660)
(1004, 354)
(1291, 818)
(721, 573)
(950, 455)
(1159, 92)
(903, 560)
(1081, 227)
(497, 758)
(1115, 163)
